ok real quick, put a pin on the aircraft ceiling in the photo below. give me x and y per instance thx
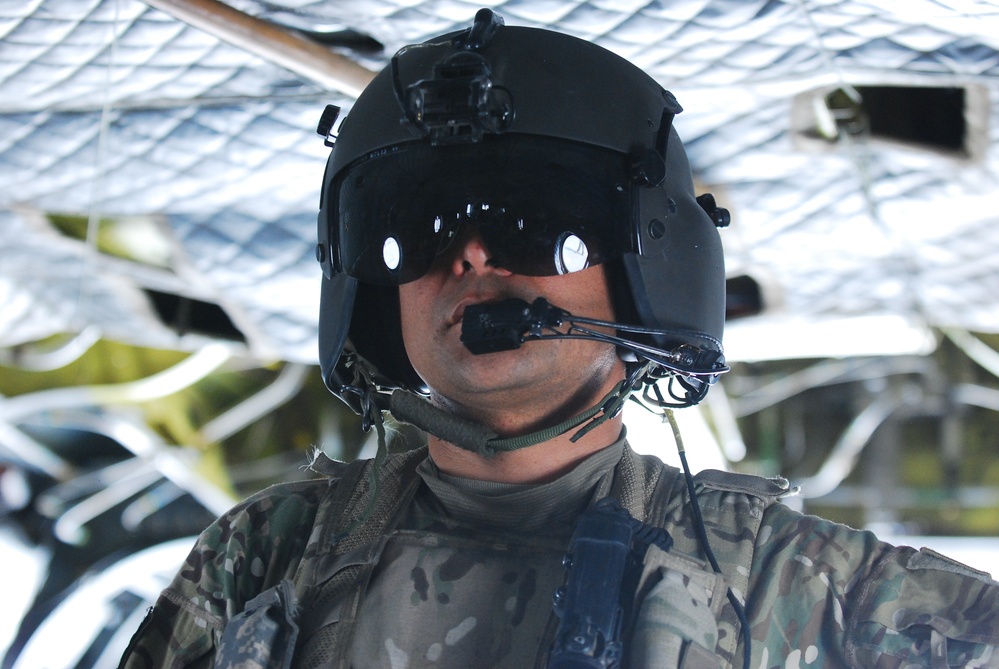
(204, 156)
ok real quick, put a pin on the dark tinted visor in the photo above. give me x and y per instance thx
(543, 207)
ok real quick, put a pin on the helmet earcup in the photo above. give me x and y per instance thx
(376, 335)
(679, 283)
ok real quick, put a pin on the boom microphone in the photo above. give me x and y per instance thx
(504, 326)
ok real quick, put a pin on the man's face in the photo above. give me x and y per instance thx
(560, 373)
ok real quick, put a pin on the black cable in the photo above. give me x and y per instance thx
(507, 325)
(702, 536)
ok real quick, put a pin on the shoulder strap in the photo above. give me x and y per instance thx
(636, 480)
(365, 500)
(362, 500)
(732, 507)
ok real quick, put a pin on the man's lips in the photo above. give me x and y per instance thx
(458, 313)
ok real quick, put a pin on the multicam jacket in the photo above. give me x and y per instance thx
(279, 580)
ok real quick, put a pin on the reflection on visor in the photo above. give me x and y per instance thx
(543, 207)
(572, 254)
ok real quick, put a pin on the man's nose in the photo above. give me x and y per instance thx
(472, 255)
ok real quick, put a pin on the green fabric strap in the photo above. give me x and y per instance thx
(470, 436)
(607, 407)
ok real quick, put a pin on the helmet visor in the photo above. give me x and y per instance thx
(543, 207)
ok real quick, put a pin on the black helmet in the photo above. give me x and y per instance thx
(529, 135)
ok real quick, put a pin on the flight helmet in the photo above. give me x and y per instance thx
(562, 155)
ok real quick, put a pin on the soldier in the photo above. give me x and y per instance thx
(511, 246)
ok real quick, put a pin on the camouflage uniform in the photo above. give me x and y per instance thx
(405, 580)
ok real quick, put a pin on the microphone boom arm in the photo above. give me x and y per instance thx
(504, 326)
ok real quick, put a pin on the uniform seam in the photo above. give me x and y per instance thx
(189, 607)
(871, 581)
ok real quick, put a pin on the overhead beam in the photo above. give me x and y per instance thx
(284, 47)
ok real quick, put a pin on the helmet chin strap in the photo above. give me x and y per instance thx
(470, 436)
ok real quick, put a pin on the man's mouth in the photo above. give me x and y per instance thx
(457, 313)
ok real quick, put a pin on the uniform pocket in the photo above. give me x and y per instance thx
(677, 622)
(330, 598)
(922, 608)
(262, 636)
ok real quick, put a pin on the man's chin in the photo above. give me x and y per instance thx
(479, 374)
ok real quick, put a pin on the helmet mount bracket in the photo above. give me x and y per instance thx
(648, 170)
(460, 104)
(484, 27)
